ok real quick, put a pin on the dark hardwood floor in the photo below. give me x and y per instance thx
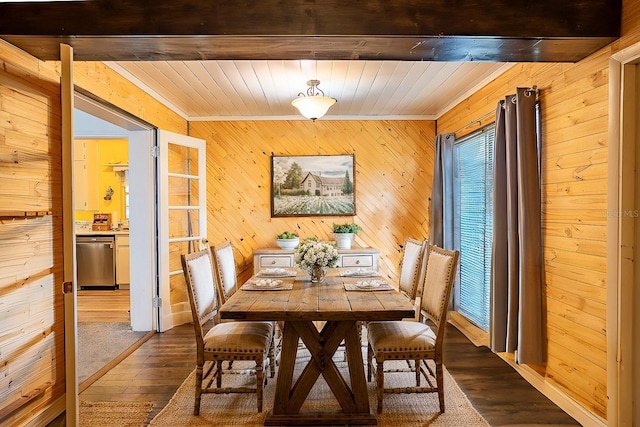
(495, 389)
(154, 372)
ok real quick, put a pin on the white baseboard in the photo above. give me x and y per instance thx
(179, 315)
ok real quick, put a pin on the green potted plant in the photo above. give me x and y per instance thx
(287, 240)
(344, 233)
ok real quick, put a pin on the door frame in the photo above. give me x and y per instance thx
(143, 239)
(142, 184)
(622, 236)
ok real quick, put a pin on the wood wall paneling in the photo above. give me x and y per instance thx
(394, 164)
(30, 164)
(574, 113)
(31, 328)
(31, 335)
(111, 87)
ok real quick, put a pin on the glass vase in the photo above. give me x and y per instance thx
(317, 273)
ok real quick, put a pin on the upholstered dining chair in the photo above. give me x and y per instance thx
(225, 270)
(420, 340)
(250, 341)
(227, 279)
(412, 268)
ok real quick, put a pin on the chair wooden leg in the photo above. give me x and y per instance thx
(196, 405)
(219, 374)
(380, 384)
(369, 362)
(278, 333)
(259, 383)
(272, 360)
(440, 381)
(417, 369)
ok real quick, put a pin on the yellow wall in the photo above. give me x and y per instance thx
(109, 151)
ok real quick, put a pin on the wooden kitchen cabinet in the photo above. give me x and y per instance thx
(282, 258)
(85, 175)
(122, 261)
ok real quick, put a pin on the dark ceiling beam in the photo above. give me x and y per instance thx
(433, 30)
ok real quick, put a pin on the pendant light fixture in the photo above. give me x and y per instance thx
(314, 104)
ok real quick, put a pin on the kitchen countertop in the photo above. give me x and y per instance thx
(103, 233)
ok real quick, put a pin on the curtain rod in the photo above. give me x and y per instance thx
(478, 120)
(528, 91)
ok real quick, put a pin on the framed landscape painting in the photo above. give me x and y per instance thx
(313, 185)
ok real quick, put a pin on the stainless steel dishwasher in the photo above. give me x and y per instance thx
(95, 257)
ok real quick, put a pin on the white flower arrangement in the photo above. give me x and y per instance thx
(312, 252)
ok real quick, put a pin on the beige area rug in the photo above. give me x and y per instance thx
(411, 410)
(101, 342)
(114, 414)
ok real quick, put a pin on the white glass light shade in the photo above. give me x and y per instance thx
(313, 107)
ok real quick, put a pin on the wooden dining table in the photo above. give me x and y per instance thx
(300, 305)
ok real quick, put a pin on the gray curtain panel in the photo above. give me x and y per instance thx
(517, 263)
(441, 227)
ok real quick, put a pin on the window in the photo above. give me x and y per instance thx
(473, 223)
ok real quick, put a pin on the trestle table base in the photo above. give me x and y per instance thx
(322, 345)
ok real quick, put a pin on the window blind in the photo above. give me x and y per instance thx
(473, 224)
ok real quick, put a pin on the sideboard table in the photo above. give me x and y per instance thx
(355, 257)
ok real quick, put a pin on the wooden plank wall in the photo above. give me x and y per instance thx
(31, 313)
(393, 181)
(111, 87)
(574, 107)
(574, 171)
(31, 321)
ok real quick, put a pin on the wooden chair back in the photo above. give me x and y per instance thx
(438, 283)
(227, 341)
(423, 273)
(225, 270)
(198, 274)
(411, 267)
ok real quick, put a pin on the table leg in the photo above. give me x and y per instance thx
(353, 348)
(322, 346)
(288, 353)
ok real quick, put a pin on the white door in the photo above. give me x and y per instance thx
(182, 219)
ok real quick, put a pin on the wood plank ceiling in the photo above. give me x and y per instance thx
(248, 59)
(236, 90)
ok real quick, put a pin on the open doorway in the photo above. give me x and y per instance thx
(114, 188)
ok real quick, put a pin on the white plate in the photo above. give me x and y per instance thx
(267, 283)
(369, 284)
(275, 272)
(359, 272)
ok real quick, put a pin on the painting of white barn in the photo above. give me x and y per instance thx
(312, 185)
